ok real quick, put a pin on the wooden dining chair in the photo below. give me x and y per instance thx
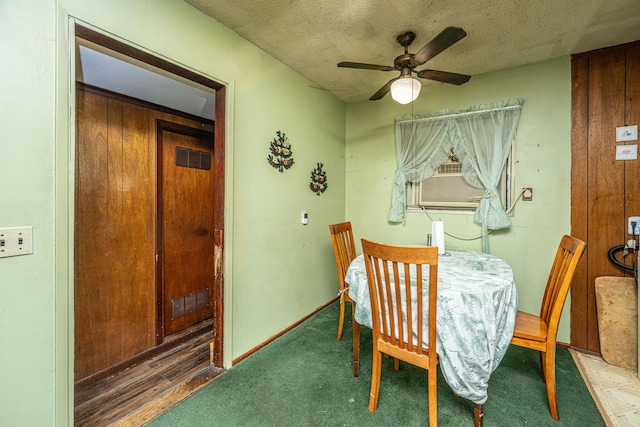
(539, 332)
(345, 251)
(397, 287)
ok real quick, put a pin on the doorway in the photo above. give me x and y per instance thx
(133, 250)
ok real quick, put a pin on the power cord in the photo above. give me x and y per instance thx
(469, 239)
(632, 245)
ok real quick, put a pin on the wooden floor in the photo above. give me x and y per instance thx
(184, 367)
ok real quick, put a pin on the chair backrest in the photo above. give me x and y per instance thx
(396, 278)
(343, 247)
(564, 266)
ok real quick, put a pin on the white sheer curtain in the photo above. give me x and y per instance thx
(419, 152)
(485, 138)
(481, 137)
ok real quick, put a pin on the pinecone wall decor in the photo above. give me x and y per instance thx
(318, 182)
(280, 157)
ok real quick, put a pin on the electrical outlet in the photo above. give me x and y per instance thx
(527, 194)
(16, 241)
(634, 221)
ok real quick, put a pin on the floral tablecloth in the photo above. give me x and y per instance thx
(477, 304)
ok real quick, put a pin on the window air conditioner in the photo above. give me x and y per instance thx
(447, 189)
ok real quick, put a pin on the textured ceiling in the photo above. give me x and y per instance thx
(312, 36)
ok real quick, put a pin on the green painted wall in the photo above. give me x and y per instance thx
(543, 155)
(277, 270)
(27, 197)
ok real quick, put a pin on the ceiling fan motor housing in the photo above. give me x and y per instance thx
(402, 61)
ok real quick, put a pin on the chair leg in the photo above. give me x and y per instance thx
(432, 387)
(550, 381)
(341, 321)
(375, 380)
(396, 364)
(541, 355)
(356, 343)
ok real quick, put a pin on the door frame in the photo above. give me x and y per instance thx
(218, 164)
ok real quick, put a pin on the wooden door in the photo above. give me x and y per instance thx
(185, 226)
(113, 232)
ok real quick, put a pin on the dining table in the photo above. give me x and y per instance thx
(476, 311)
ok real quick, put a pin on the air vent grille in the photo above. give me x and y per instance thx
(191, 158)
(450, 168)
(189, 303)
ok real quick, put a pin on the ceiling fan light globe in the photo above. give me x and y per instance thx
(405, 90)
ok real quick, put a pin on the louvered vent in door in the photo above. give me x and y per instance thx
(191, 158)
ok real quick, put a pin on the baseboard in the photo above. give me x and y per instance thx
(274, 337)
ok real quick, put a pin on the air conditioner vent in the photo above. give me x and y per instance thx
(450, 168)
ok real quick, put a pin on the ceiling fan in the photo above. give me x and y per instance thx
(405, 88)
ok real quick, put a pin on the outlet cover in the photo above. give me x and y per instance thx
(16, 241)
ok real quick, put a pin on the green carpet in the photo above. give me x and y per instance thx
(305, 378)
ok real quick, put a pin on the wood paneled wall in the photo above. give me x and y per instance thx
(115, 294)
(604, 191)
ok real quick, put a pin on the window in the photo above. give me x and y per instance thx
(447, 189)
(482, 137)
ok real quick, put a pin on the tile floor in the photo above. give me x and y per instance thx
(616, 390)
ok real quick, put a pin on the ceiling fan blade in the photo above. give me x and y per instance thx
(445, 39)
(444, 76)
(365, 66)
(383, 90)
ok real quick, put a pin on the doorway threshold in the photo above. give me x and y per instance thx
(165, 401)
(150, 386)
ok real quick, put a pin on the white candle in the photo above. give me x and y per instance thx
(437, 235)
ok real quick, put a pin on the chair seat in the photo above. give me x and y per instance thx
(530, 327)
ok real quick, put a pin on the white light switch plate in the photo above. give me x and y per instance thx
(16, 241)
(627, 152)
(627, 133)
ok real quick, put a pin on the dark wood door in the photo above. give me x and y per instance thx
(185, 232)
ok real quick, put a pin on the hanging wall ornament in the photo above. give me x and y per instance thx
(280, 157)
(318, 180)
